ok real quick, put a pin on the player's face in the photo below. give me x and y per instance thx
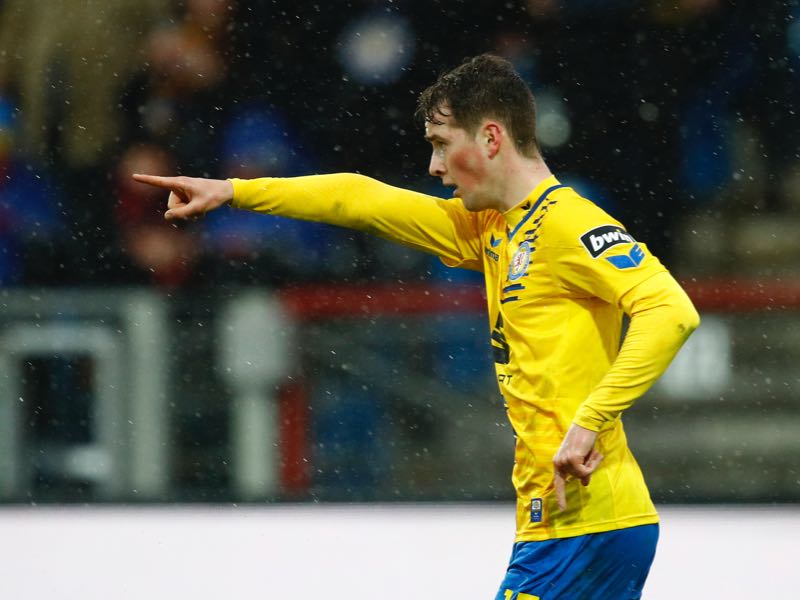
(459, 160)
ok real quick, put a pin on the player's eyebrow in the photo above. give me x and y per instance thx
(434, 137)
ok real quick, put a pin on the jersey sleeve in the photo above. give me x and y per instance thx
(662, 318)
(592, 254)
(441, 227)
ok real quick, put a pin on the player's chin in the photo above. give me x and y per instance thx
(469, 201)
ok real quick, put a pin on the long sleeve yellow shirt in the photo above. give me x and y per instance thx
(559, 275)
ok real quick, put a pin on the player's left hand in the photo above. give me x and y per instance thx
(577, 457)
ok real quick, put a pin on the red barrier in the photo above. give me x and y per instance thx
(743, 295)
(314, 302)
(318, 302)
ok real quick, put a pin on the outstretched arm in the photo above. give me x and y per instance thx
(441, 227)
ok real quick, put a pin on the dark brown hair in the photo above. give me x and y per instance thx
(485, 86)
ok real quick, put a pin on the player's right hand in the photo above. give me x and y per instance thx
(190, 196)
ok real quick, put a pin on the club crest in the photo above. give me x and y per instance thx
(520, 261)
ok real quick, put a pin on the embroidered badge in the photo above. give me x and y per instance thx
(520, 261)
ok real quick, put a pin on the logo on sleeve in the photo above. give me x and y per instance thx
(600, 239)
(630, 260)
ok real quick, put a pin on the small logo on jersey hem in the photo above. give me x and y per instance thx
(600, 239)
(520, 261)
(536, 510)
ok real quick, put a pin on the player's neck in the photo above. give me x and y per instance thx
(520, 178)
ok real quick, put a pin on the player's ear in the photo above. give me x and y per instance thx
(492, 137)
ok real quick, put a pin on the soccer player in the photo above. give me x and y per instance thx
(559, 274)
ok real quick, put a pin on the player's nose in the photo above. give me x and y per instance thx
(436, 166)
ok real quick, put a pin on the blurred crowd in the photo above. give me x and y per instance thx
(654, 109)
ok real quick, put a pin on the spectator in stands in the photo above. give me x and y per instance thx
(182, 97)
(158, 253)
(31, 222)
(66, 64)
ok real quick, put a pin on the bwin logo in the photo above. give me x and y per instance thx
(600, 239)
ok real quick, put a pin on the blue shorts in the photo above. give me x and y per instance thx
(610, 566)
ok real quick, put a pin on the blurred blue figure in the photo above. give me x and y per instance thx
(349, 425)
(709, 116)
(30, 221)
(706, 164)
(460, 358)
(258, 143)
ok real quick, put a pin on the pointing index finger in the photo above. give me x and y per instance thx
(168, 183)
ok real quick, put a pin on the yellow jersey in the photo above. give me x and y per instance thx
(559, 275)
